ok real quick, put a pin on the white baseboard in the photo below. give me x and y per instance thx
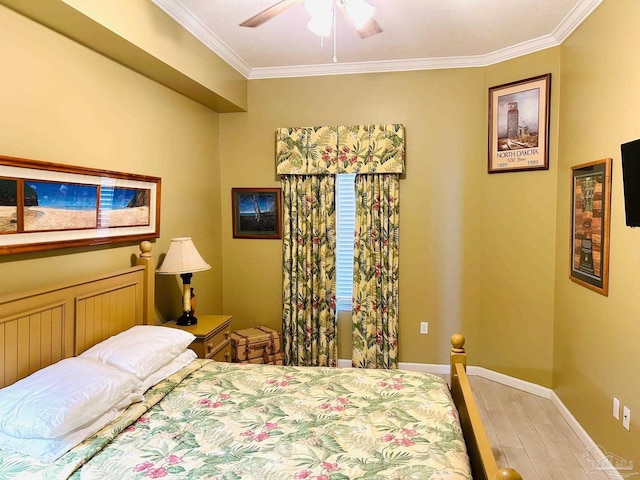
(426, 368)
(601, 460)
(513, 382)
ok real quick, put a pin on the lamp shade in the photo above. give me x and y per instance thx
(182, 257)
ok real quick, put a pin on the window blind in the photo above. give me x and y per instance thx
(345, 227)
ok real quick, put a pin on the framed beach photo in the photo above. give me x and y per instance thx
(590, 222)
(519, 125)
(257, 212)
(47, 205)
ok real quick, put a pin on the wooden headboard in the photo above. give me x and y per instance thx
(42, 327)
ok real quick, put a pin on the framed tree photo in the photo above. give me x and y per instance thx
(257, 212)
(519, 125)
(590, 222)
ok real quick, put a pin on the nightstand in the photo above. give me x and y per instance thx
(212, 336)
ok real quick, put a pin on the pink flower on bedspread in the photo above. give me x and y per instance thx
(340, 401)
(156, 472)
(143, 420)
(303, 474)
(395, 384)
(141, 467)
(409, 432)
(280, 383)
(388, 437)
(263, 435)
(405, 442)
(332, 467)
(173, 459)
(205, 402)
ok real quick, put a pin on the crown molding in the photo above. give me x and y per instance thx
(184, 17)
(193, 25)
(406, 65)
(574, 18)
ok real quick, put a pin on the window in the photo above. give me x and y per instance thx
(345, 227)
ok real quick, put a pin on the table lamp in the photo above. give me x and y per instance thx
(183, 259)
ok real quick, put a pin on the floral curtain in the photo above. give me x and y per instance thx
(309, 243)
(375, 275)
(307, 158)
(340, 149)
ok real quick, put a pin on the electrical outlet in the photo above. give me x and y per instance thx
(616, 408)
(626, 418)
(424, 327)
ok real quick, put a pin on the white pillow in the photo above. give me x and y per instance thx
(142, 349)
(64, 396)
(50, 449)
(181, 361)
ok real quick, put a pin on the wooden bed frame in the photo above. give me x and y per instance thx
(40, 328)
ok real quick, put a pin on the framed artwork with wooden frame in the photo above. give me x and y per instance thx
(47, 205)
(519, 125)
(257, 212)
(590, 223)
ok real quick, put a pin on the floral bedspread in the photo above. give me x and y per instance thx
(262, 422)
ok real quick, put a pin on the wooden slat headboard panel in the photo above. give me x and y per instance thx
(40, 328)
(32, 341)
(103, 314)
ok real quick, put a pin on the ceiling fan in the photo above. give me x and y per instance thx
(322, 15)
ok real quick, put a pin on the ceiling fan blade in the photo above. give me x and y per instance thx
(269, 13)
(369, 29)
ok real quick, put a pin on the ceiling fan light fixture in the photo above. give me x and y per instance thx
(360, 12)
(321, 24)
(318, 7)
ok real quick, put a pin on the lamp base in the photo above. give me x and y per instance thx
(186, 319)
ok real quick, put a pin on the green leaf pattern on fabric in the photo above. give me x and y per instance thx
(375, 271)
(309, 244)
(340, 149)
(262, 422)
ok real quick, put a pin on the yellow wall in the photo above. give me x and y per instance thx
(596, 353)
(63, 103)
(517, 245)
(439, 270)
(465, 235)
(483, 254)
(143, 38)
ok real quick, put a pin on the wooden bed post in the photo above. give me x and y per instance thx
(483, 463)
(458, 355)
(146, 259)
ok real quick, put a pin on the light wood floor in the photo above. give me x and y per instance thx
(529, 434)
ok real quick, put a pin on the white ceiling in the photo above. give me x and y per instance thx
(417, 34)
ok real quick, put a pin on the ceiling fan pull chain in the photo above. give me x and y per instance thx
(335, 56)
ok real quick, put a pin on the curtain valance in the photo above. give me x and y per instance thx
(340, 149)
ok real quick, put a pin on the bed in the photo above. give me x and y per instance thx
(217, 420)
